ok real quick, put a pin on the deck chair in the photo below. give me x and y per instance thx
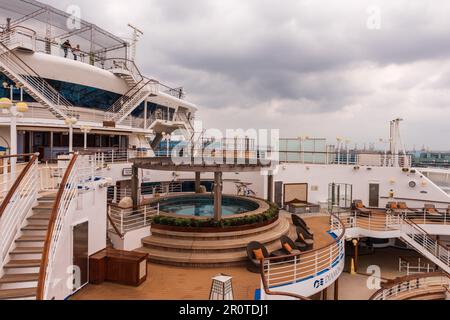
(300, 246)
(304, 241)
(410, 213)
(296, 247)
(254, 264)
(432, 214)
(299, 222)
(358, 205)
(392, 206)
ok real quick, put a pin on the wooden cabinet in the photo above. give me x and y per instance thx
(122, 267)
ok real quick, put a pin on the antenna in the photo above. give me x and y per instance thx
(397, 145)
(136, 34)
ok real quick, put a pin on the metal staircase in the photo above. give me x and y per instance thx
(22, 74)
(126, 104)
(182, 116)
(422, 242)
(140, 89)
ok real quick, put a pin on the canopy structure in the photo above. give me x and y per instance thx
(57, 26)
(199, 166)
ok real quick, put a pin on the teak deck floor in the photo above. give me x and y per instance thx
(174, 283)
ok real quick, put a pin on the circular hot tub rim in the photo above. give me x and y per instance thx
(263, 206)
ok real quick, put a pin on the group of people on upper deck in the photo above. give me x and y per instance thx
(76, 51)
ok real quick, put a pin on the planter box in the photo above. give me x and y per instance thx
(213, 230)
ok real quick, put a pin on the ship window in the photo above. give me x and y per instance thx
(86, 97)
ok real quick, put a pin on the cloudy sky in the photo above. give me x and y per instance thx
(307, 67)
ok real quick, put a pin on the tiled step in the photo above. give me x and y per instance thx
(28, 250)
(215, 236)
(18, 293)
(31, 239)
(35, 227)
(40, 216)
(44, 208)
(23, 264)
(17, 278)
(188, 258)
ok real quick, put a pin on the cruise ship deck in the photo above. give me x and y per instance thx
(112, 188)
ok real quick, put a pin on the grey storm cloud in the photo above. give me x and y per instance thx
(305, 66)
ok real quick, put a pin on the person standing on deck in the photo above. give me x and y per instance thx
(66, 46)
(76, 51)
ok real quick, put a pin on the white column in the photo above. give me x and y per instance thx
(70, 138)
(13, 136)
(85, 139)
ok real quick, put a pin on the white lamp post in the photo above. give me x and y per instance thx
(15, 110)
(71, 122)
(85, 130)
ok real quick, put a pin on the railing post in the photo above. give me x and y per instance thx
(295, 269)
(158, 209)
(121, 222)
(331, 257)
(112, 156)
(145, 216)
(316, 263)
(115, 194)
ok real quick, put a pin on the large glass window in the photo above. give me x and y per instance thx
(84, 96)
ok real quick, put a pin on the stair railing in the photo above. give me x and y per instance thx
(418, 235)
(19, 36)
(16, 68)
(405, 287)
(67, 193)
(16, 206)
(127, 103)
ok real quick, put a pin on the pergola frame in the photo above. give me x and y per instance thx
(55, 20)
(167, 164)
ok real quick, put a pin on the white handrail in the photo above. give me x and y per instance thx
(17, 209)
(405, 288)
(80, 179)
(126, 220)
(18, 69)
(289, 270)
(408, 230)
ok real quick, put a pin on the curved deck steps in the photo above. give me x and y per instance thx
(21, 272)
(211, 250)
(214, 236)
(221, 244)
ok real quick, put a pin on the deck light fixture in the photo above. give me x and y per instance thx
(22, 107)
(222, 288)
(5, 103)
